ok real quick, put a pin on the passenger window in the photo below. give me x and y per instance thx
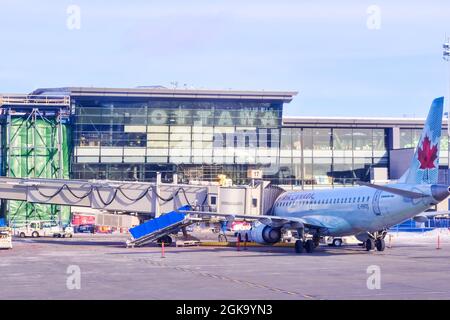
(359, 198)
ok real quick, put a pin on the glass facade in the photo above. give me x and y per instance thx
(132, 140)
(315, 157)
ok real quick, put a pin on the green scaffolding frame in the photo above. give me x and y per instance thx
(36, 147)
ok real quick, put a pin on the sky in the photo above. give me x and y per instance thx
(377, 58)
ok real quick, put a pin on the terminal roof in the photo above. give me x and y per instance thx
(161, 92)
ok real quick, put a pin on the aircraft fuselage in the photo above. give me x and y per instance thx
(353, 210)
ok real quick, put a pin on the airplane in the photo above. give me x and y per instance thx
(366, 211)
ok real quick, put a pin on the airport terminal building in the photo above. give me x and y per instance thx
(131, 134)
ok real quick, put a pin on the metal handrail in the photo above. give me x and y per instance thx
(34, 100)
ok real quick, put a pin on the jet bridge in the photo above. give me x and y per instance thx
(141, 197)
(116, 196)
(149, 199)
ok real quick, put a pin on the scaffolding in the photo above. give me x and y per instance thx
(36, 146)
(33, 100)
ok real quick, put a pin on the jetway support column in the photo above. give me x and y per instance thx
(158, 191)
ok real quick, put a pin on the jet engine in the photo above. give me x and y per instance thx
(262, 233)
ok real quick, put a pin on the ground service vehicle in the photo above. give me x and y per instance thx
(5, 238)
(36, 229)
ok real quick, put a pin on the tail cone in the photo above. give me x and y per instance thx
(440, 192)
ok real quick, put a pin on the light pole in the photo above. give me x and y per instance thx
(446, 57)
(446, 54)
(446, 46)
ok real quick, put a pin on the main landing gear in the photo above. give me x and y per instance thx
(309, 245)
(301, 246)
(376, 241)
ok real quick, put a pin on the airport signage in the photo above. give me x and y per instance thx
(259, 117)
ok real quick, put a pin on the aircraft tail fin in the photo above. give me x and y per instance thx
(424, 165)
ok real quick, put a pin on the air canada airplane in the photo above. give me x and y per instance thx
(366, 211)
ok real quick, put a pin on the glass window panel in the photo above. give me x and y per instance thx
(158, 129)
(180, 144)
(87, 159)
(322, 139)
(180, 137)
(444, 140)
(308, 171)
(180, 129)
(307, 137)
(405, 138)
(157, 159)
(158, 152)
(342, 139)
(179, 152)
(286, 139)
(322, 170)
(297, 170)
(379, 139)
(362, 139)
(134, 159)
(111, 159)
(361, 168)
(296, 142)
(157, 136)
(416, 137)
(158, 144)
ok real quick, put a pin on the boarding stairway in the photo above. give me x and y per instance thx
(160, 227)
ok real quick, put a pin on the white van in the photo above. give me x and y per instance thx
(43, 229)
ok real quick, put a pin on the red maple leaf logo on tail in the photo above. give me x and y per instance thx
(427, 155)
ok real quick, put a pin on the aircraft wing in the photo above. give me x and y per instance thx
(273, 221)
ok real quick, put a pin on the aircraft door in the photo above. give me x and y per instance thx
(379, 206)
(376, 203)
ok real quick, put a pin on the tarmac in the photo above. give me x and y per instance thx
(100, 267)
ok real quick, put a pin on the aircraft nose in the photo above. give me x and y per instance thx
(440, 192)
